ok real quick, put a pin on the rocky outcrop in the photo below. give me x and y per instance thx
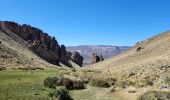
(39, 42)
(76, 57)
(107, 51)
(96, 58)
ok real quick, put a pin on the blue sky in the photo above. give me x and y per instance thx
(92, 22)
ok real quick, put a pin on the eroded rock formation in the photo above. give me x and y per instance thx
(76, 57)
(39, 42)
(96, 58)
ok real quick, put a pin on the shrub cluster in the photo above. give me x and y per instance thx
(61, 93)
(53, 82)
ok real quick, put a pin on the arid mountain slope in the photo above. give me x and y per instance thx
(107, 51)
(145, 59)
(15, 54)
(27, 46)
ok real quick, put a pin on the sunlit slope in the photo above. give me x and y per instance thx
(145, 58)
(15, 54)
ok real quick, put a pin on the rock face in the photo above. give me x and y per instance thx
(39, 42)
(96, 58)
(76, 57)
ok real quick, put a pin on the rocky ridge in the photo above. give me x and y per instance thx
(41, 43)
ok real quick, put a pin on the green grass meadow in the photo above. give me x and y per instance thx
(28, 85)
(24, 85)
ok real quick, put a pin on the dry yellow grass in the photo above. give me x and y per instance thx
(155, 53)
(15, 54)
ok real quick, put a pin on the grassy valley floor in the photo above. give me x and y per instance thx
(28, 85)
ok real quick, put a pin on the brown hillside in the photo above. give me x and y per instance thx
(145, 59)
(15, 54)
(27, 46)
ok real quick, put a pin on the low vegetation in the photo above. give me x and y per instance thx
(61, 93)
(53, 82)
(30, 68)
(61, 83)
(155, 95)
(102, 82)
(2, 68)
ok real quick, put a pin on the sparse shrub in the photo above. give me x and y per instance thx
(103, 82)
(73, 84)
(74, 70)
(78, 85)
(131, 74)
(51, 82)
(149, 83)
(149, 80)
(2, 68)
(139, 49)
(99, 82)
(111, 81)
(61, 93)
(68, 84)
(126, 83)
(155, 95)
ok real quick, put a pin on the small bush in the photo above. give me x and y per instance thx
(139, 49)
(51, 82)
(2, 68)
(155, 95)
(99, 82)
(68, 84)
(78, 85)
(73, 84)
(61, 93)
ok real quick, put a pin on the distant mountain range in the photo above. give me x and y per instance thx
(106, 50)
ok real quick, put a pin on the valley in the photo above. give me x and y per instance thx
(35, 67)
